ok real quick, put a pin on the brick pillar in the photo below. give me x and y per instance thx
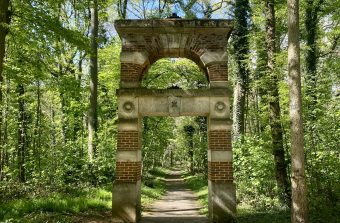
(126, 196)
(222, 192)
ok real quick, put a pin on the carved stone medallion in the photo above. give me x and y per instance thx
(220, 106)
(128, 107)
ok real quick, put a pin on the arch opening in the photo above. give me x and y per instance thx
(175, 73)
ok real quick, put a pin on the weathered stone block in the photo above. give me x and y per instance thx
(195, 106)
(220, 156)
(128, 156)
(141, 58)
(126, 198)
(214, 56)
(222, 202)
(219, 107)
(128, 107)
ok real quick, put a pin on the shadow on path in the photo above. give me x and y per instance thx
(179, 205)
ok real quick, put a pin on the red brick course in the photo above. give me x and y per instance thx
(131, 72)
(128, 172)
(128, 140)
(220, 140)
(220, 171)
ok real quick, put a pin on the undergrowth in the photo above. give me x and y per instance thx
(72, 204)
(247, 213)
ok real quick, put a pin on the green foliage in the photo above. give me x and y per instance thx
(247, 214)
(78, 201)
(71, 202)
(254, 172)
(181, 73)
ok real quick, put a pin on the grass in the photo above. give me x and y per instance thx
(150, 194)
(58, 205)
(74, 204)
(200, 187)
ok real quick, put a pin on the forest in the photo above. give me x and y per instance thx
(59, 72)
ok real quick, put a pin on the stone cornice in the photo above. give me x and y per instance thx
(174, 26)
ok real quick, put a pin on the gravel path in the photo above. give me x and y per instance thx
(179, 205)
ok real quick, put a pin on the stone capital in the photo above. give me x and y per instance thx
(141, 58)
(210, 57)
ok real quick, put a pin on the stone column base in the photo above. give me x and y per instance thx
(126, 202)
(222, 202)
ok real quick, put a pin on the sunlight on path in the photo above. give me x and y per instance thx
(179, 205)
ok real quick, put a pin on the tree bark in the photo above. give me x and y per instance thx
(299, 200)
(37, 131)
(189, 130)
(122, 8)
(21, 133)
(313, 8)
(93, 117)
(241, 47)
(4, 20)
(274, 107)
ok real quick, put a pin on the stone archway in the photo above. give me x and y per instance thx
(143, 43)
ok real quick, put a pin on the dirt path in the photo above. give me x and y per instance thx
(179, 205)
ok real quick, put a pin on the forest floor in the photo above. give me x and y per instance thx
(169, 197)
(179, 205)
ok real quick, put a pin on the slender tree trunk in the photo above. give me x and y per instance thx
(21, 133)
(238, 108)
(299, 199)
(92, 117)
(4, 19)
(5, 121)
(311, 23)
(241, 47)
(274, 107)
(191, 153)
(53, 164)
(189, 130)
(122, 8)
(78, 115)
(37, 130)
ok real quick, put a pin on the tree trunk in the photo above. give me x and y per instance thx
(241, 47)
(189, 130)
(37, 130)
(238, 108)
(4, 19)
(92, 117)
(274, 107)
(21, 133)
(78, 114)
(191, 153)
(299, 199)
(311, 23)
(122, 8)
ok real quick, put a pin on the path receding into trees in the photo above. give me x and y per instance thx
(179, 205)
